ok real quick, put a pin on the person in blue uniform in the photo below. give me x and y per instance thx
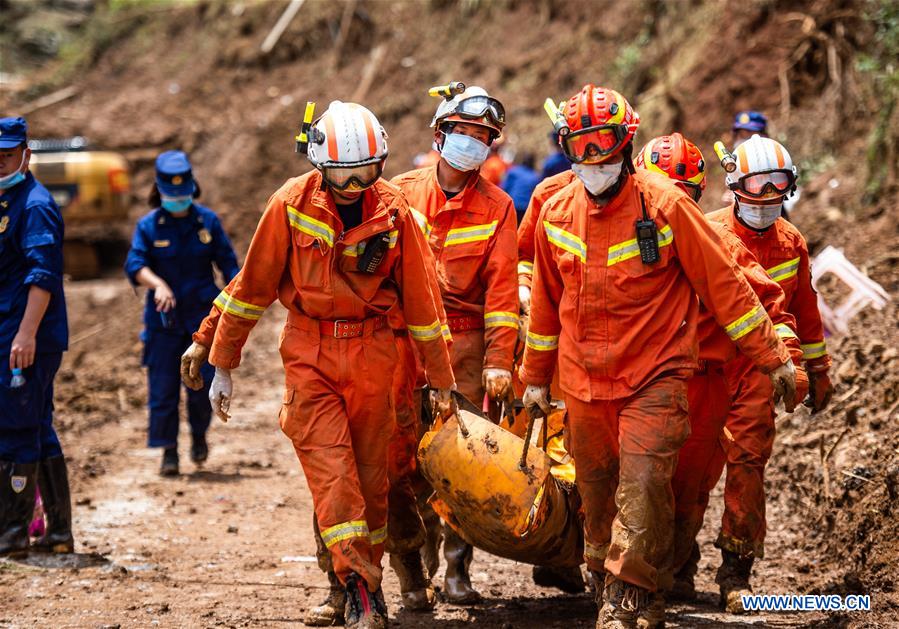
(172, 254)
(33, 335)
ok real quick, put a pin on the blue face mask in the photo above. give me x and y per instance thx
(176, 204)
(464, 152)
(13, 179)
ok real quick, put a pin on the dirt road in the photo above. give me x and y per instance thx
(230, 545)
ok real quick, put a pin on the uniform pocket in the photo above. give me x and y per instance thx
(639, 281)
(287, 416)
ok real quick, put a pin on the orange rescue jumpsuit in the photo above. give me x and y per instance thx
(625, 336)
(709, 402)
(338, 351)
(527, 229)
(782, 251)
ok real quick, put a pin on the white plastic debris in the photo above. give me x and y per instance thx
(865, 291)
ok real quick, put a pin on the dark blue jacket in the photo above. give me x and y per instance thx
(31, 233)
(555, 164)
(181, 251)
(519, 183)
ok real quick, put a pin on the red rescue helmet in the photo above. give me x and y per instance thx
(601, 124)
(678, 159)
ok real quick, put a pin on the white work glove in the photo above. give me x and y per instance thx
(536, 398)
(191, 362)
(524, 299)
(443, 404)
(220, 393)
(784, 381)
(496, 382)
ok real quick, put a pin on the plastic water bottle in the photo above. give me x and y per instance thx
(17, 380)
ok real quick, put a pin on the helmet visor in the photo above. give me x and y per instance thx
(772, 183)
(354, 177)
(476, 107)
(693, 190)
(593, 144)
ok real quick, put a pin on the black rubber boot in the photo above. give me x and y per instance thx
(53, 480)
(415, 587)
(684, 588)
(17, 484)
(733, 580)
(568, 579)
(169, 462)
(199, 449)
(330, 612)
(364, 609)
(457, 584)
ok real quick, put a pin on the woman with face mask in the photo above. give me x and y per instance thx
(172, 254)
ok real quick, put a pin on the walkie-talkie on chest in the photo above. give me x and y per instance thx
(647, 237)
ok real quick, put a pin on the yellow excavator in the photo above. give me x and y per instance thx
(93, 190)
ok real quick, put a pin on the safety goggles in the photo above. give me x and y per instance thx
(352, 177)
(768, 183)
(593, 144)
(476, 107)
(692, 189)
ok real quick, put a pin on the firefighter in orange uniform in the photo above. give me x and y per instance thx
(340, 250)
(763, 177)
(470, 226)
(708, 395)
(621, 256)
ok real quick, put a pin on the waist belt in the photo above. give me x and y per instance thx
(339, 329)
(461, 323)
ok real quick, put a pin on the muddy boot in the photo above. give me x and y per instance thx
(364, 609)
(622, 603)
(430, 552)
(457, 585)
(53, 480)
(329, 613)
(653, 615)
(684, 588)
(17, 483)
(415, 587)
(568, 579)
(199, 449)
(169, 465)
(733, 580)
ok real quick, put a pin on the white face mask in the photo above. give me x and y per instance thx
(597, 178)
(464, 152)
(758, 216)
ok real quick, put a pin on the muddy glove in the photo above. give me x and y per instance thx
(784, 381)
(191, 361)
(496, 382)
(443, 404)
(220, 393)
(536, 398)
(524, 299)
(820, 390)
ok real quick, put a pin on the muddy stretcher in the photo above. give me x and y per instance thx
(522, 507)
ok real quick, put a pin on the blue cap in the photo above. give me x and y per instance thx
(13, 132)
(750, 121)
(173, 174)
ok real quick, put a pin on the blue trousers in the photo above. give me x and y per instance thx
(162, 357)
(26, 413)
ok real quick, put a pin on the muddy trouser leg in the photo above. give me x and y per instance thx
(338, 413)
(748, 441)
(653, 424)
(698, 458)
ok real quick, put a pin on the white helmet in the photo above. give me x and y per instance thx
(474, 106)
(764, 170)
(348, 145)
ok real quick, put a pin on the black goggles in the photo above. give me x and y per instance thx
(594, 143)
(768, 183)
(352, 178)
(476, 107)
(692, 189)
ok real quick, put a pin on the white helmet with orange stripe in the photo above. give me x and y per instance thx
(348, 145)
(764, 170)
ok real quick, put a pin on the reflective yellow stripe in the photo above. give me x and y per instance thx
(500, 319)
(813, 350)
(746, 324)
(422, 221)
(525, 268)
(630, 249)
(542, 343)
(463, 235)
(354, 251)
(784, 331)
(595, 552)
(309, 225)
(344, 530)
(426, 332)
(379, 536)
(227, 303)
(784, 271)
(444, 329)
(566, 241)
